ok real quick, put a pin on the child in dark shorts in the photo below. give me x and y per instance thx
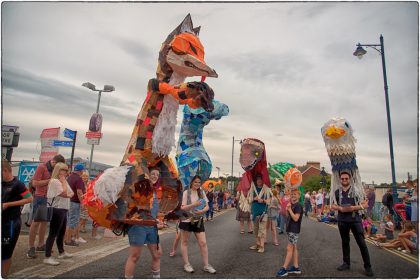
(293, 222)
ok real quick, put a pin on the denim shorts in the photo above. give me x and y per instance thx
(140, 235)
(73, 216)
(38, 200)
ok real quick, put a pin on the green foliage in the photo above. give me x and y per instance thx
(314, 183)
(224, 185)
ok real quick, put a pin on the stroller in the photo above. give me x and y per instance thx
(400, 214)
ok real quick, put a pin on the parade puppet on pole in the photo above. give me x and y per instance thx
(253, 161)
(191, 157)
(340, 143)
(123, 195)
(286, 173)
(214, 182)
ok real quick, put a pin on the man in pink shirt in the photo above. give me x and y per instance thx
(40, 182)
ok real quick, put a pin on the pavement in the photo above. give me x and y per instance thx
(319, 255)
(411, 257)
(26, 268)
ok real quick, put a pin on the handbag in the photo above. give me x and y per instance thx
(263, 218)
(44, 213)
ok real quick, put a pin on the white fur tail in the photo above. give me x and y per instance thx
(110, 184)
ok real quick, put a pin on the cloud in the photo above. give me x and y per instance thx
(284, 69)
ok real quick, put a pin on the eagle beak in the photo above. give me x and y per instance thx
(335, 132)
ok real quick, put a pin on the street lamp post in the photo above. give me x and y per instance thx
(359, 52)
(233, 147)
(107, 88)
(218, 172)
(323, 174)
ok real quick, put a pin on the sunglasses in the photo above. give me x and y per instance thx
(344, 179)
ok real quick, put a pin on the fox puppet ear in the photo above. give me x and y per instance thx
(197, 31)
(185, 26)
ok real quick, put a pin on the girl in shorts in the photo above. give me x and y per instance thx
(138, 236)
(194, 200)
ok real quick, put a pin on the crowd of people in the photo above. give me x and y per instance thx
(393, 213)
(274, 211)
(56, 213)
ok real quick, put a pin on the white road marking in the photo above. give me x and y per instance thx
(79, 259)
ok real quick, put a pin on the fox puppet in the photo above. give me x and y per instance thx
(123, 195)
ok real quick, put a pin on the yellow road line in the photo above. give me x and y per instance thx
(409, 258)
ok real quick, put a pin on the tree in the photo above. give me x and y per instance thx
(314, 183)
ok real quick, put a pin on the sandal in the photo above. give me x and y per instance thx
(242, 231)
(276, 244)
(251, 232)
(172, 254)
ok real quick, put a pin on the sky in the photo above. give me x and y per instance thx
(285, 68)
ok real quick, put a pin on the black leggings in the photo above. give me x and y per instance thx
(57, 230)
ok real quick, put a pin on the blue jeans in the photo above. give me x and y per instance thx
(281, 222)
(73, 215)
(210, 212)
(220, 204)
(308, 208)
(408, 212)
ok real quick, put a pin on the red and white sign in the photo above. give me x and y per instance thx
(48, 151)
(93, 141)
(91, 134)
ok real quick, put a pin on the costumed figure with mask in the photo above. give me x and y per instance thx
(347, 194)
(124, 195)
(340, 143)
(191, 156)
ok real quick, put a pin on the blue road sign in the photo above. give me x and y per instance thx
(62, 143)
(69, 133)
(26, 171)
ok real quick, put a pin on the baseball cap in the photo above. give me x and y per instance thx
(79, 167)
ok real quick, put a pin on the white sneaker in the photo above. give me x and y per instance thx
(98, 237)
(209, 269)
(51, 261)
(188, 268)
(156, 274)
(80, 240)
(65, 255)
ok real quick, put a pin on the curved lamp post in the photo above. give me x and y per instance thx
(360, 52)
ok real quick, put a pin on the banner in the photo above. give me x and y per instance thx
(27, 171)
(48, 150)
(95, 126)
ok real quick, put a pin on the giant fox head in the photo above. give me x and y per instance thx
(183, 53)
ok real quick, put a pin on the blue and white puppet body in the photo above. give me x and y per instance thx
(191, 157)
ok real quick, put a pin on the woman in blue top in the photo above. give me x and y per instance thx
(260, 197)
